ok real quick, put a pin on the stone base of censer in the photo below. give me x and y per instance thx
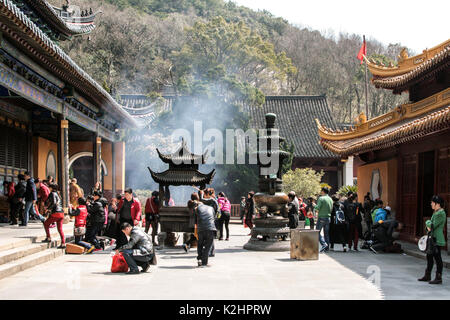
(269, 234)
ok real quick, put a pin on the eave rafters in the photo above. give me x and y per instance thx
(21, 30)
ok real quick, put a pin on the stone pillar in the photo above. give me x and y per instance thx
(348, 172)
(63, 161)
(96, 158)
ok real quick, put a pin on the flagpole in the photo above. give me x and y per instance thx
(365, 81)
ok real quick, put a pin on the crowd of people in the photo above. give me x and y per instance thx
(343, 220)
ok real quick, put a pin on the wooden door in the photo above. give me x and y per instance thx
(443, 177)
(408, 194)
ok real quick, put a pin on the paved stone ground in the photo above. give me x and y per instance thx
(235, 274)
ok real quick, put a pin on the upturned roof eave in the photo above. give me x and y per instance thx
(55, 51)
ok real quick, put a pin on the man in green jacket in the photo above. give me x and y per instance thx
(435, 227)
(324, 207)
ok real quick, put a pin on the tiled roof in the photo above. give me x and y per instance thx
(182, 177)
(47, 11)
(142, 108)
(182, 156)
(296, 120)
(400, 132)
(439, 62)
(19, 28)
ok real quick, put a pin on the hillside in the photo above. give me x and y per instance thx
(136, 49)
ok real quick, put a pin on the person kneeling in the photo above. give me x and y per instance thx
(385, 234)
(80, 214)
(139, 249)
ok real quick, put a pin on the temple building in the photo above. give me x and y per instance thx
(405, 152)
(55, 120)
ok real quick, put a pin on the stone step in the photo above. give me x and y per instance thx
(18, 253)
(23, 251)
(13, 267)
(18, 242)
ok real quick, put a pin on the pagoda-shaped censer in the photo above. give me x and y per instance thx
(182, 171)
(271, 232)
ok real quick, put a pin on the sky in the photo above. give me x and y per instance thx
(415, 24)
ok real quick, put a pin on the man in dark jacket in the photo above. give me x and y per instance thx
(96, 220)
(139, 249)
(17, 201)
(206, 228)
(30, 200)
(292, 211)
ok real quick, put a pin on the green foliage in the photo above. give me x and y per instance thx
(223, 59)
(305, 182)
(141, 46)
(345, 189)
(325, 185)
(142, 195)
(287, 164)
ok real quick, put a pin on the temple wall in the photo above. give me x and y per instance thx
(86, 146)
(388, 177)
(41, 148)
(79, 146)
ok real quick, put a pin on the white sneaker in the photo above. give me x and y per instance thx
(199, 263)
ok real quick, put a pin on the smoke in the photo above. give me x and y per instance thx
(214, 115)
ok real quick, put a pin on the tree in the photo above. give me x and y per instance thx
(305, 182)
(229, 59)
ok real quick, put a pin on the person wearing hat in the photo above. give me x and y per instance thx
(435, 227)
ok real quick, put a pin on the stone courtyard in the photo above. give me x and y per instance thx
(235, 274)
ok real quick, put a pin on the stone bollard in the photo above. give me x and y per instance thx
(304, 244)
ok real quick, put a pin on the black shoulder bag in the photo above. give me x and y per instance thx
(431, 244)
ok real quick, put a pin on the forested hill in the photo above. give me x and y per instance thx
(147, 46)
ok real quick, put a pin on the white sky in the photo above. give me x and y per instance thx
(415, 24)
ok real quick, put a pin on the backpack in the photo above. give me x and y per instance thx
(352, 212)
(340, 216)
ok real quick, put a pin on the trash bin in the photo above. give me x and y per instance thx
(304, 244)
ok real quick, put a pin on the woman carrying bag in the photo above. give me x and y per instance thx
(436, 240)
(55, 214)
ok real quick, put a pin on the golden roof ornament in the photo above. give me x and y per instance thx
(403, 55)
(360, 119)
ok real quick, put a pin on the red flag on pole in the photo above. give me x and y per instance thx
(363, 51)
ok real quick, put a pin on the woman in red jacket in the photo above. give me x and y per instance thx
(79, 231)
(56, 214)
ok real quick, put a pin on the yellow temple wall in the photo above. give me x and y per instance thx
(388, 176)
(41, 149)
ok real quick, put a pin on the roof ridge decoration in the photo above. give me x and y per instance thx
(439, 62)
(405, 63)
(402, 112)
(183, 156)
(415, 129)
